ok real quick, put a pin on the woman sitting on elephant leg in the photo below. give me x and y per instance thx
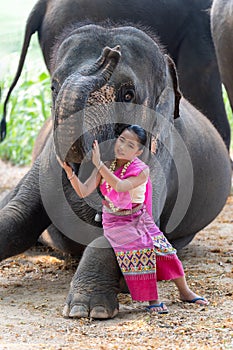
(142, 251)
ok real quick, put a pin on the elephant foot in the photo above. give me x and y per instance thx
(95, 285)
(97, 307)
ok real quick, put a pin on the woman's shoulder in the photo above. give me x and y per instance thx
(140, 164)
(136, 167)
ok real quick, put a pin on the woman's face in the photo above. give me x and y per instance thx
(127, 146)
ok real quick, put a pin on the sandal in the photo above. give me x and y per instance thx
(150, 308)
(194, 301)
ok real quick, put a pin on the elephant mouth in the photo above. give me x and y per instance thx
(75, 146)
(81, 149)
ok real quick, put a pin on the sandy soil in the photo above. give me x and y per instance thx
(34, 285)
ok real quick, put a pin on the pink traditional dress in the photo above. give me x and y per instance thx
(143, 253)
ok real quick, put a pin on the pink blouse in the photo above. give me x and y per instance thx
(123, 200)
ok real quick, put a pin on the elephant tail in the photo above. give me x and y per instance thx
(33, 24)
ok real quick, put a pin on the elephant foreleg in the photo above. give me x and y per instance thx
(9, 196)
(23, 219)
(96, 283)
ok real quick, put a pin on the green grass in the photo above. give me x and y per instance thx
(13, 16)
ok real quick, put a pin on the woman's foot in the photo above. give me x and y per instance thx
(191, 297)
(159, 308)
(186, 294)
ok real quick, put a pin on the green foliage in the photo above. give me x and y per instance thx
(229, 114)
(28, 108)
(30, 103)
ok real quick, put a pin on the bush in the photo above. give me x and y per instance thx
(27, 110)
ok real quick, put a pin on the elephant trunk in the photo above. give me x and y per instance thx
(69, 124)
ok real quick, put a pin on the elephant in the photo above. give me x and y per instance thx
(183, 27)
(104, 77)
(221, 28)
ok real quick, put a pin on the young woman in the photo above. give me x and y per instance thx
(142, 251)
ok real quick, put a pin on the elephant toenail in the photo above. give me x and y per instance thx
(66, 311)
(115, 312)
(99, 312)
(79, 311)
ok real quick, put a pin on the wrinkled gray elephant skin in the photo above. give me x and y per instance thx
(183, 27)
(221, 27)
(102, 77)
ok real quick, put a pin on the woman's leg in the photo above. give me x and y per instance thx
(186, 294)
(169, 267)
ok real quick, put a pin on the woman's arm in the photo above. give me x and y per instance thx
(82, 189)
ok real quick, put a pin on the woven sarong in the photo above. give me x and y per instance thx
(143, 253)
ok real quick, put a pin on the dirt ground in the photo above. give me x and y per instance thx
(34, 285)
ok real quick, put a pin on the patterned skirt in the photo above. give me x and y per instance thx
(143, 253)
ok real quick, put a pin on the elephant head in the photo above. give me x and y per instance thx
(106, 76)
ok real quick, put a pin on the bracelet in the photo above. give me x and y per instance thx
(72, 176)
(100, 165)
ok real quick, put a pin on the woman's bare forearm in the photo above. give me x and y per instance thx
(86, 188)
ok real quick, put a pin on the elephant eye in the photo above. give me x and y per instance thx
(54, 87)
(129, 95)
(126, 93)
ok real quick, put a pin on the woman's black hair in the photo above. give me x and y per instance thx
(140, 132)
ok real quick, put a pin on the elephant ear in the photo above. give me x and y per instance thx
(169, 100)
(173, 73)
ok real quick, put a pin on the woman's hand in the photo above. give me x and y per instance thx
(66, 167)
(96, 154)
(68, 170)
(86, 188)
